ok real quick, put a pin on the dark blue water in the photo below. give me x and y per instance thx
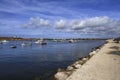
(40, 61)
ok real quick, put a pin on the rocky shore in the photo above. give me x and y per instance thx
(101, 64)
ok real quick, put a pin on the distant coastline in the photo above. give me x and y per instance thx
(20, 38)
(14, 38)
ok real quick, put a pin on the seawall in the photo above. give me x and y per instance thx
(101, 64)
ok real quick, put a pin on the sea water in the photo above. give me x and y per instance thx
(40, 61)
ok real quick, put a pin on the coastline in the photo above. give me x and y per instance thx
(14, 38)
(85, 68)
(58, 39)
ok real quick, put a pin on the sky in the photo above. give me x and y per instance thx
(60, 18)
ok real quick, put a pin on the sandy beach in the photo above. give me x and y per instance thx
(104, 65)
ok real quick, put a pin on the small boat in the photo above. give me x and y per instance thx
(71, 41)
(4, 41)
(23, 44)
(41, 42)
(13, 46)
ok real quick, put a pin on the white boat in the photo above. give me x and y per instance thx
(23, 44)
(71, 41)
(4, 41)
(40, 42)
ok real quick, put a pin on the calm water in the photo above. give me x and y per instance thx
(40, 61)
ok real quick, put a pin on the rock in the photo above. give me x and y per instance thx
(92, 53)
(60, 70)
(77, 62)
(80, 58)
(84, 60)
(77, 66)
(97, 50)
(60, 76)
(69, 73)
(81, 62)
(69, 68)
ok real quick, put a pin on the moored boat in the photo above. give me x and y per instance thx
(23, 44)
(13, 46)
(42, 42)
(71, 41)
(4, 41)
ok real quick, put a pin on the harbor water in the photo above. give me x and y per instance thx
(40, 62)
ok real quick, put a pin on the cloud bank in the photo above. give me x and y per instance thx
(91, 22)
(61, 24)
(102, 25)
(36, 22)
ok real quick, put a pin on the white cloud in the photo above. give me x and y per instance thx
(93, 25)
(96, 24)
(37, 22)
(61, 24)
(91, 22)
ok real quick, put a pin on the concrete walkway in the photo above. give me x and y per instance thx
(104, 65)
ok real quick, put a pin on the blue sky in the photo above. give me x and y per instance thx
(60, 18)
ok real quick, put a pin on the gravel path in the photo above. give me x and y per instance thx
(104, 65)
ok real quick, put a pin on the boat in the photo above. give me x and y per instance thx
(41, 42)
(23, 44)
(13, 46)
(38, 41)
(4, 41)
(71, 41)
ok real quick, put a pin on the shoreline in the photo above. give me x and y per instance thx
(14, 38)
(59, 39)
(69, 73)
